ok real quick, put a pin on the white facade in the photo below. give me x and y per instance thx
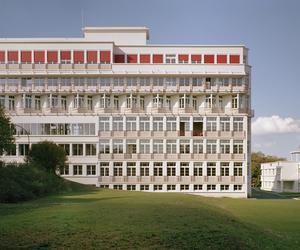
(281, 176)
(132, 115)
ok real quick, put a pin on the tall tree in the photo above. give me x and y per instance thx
(6, 133)
(256, 159)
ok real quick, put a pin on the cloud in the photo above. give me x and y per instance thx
(275, 125)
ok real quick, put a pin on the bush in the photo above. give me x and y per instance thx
(26, 182)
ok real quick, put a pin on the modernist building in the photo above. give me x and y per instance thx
(132, 115)
(282, 176)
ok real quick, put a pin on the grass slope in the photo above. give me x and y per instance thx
(107, 219)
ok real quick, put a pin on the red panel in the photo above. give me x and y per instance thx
(2, 56)
(196, 58)
(132, 58)
(221, 58)
(65, 55)
(13, 56)
(184, 58)
(26, 56)
(105, 57)
(39, 56)
(78, 56)
(92, 56)
(209, 59)
(145, 58)
(52, 56)
(234, 58)
(158, 58)
(119, 58)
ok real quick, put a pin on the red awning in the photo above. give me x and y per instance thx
(158, 58)
(92, 56)
(52, 56)
(39, 56)
(105, 57)
(78, 56)
(144, 58)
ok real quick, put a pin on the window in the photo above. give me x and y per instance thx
(238, 147)
(211, 187)
(142, 102)
(104, 123)
(184, 146)
(118, 169)
(116, 102)
(144, 123)
(184, 169)
(225, 146)
(66, 147)
(78, 101)
(118, 146)
(171, 187)
(225, 123)
(145, 81)
(23, 149)
(104, 147)
(91, 170)
(237, 187)
(157, 187)
(90, 149)
(158, 81)
(238, 169)
(104, 186)
(144, 168)
(77, 149)
(211, 146)
(105, 82)
(211, 169)
(64, 170)
(224, 168)
(2, 101)
(131, 101)
(184, 101)
(171, 168)
(210, 101)
(104, 169)
(211, 124)
(158, 146)
(171, 147)
(131, 123)
(184, 81)
(198, 169)
(11, 103)
(132, 81)
(224, 187)
(236, 82)
(158, 123)
(145, 146)
(144, 187)
(157, 101)
(131, 187)
(104, 101)
(196, 81)
(118, 123)
(198, 146)
(238, 123)
(158, 170)
(77, 169)
(131, 147)
(170, 58)
(170, 81)
(12, 151)
(184, 187)
(118, 187)
(234, 102)
(131, 169)
(171, 124)
(197, 187)
(28, 101)
(184, 125)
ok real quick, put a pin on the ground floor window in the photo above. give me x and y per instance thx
(77, 170)
(131, 187)
(144, 187)
(119, 187)
(157, 187)
(104, 186)
(224, 187)
(211, 187)
(237, 187)
(91, 169)
(171, 187)
(184, 187)
(198, 187)
(64, 170)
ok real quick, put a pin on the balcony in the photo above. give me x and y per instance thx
(160, 110)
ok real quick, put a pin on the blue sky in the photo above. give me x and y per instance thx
(271, 29)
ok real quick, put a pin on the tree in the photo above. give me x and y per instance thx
(256, 159)
(47, 155)
(6, 133)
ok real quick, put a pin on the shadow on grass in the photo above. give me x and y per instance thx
(262, 194)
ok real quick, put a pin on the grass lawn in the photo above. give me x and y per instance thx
(107, 219)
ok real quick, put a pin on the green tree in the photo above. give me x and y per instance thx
(6, 133)
(256, 159)
(47, 155)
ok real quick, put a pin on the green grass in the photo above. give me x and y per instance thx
(107, 219)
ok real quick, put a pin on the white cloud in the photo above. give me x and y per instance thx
(275, 125)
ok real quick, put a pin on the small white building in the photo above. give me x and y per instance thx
(282, 176)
